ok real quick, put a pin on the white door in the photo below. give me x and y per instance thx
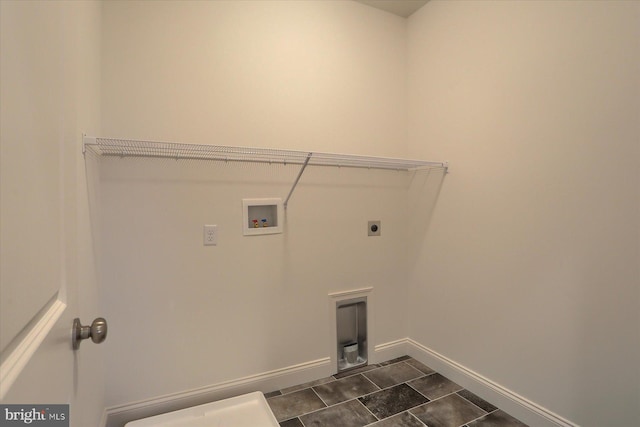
(49, 94)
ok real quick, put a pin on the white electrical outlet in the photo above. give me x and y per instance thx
(210, 235)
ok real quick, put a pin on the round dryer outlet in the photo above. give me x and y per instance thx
(373, 228)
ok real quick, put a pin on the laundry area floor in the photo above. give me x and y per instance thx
(399, 393)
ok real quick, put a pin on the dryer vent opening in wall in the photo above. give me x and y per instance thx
(351, 332)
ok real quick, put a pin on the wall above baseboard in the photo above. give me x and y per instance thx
(507, 400)
(277, 379)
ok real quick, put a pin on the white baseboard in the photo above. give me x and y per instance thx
(118, 416)
(505, 399)
(103, 419)
(390, 350)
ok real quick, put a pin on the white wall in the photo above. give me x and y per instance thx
(327, 76)
(529, 272)
(526, 271)
(186, 316)
(50, 95)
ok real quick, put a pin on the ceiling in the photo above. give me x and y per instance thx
(402, 8)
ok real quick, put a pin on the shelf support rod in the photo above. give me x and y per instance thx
(295, 183)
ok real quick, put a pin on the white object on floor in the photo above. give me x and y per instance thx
(248, 410)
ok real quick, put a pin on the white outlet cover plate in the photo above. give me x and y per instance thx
(210, 235)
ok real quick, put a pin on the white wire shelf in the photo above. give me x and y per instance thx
(172, 150)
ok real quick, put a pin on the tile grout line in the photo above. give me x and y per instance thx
(368, 410)
(374, 366)
(445, 395)
(481, 417)
(429, 400)
(449, 394)
(422, 374)
(332, 379)
(320, 397)
(319, 409)
(374, 384)
(414, 416)
(475, 419)
(304, 413)
(353, 398)
(386, 388)
(327, 407)
(395, 385)
(366, 394)
(487, 412)
(348, 399)
(307, 413)
(358, 399)
(300, 389)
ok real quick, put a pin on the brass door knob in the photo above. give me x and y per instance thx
(97, 332)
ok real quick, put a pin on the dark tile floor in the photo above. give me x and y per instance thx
(399, 393)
